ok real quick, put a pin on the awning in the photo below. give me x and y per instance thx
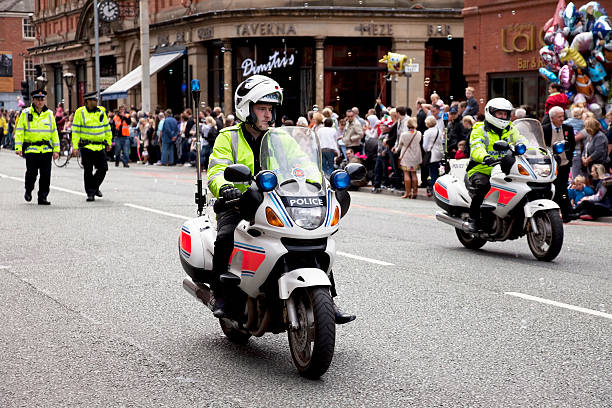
(120, 88)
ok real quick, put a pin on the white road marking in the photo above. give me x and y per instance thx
(65, 190)
(153, 210)
(182, 217)
(362, 258)
(560, 304)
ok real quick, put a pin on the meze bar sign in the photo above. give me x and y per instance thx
(250, 66)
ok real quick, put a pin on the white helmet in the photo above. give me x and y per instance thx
(495, 105)
(256, 89)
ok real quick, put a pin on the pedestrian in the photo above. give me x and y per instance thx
(599, 204)
(556, 97)
(410, 158)
(556, 131)
(169, 134)
(472, 107)
(122, 138)
(37, 140)
(432, 144)
(329, 147)
(595, 146)
(92, 136)
(353, 132)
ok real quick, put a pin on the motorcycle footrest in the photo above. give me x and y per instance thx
(230, 279)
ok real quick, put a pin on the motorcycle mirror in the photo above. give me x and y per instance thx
(355, 171)
(237, 173)
(500, 146)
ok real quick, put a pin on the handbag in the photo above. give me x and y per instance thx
(427, 155)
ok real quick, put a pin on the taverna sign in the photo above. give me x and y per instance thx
(250, 67)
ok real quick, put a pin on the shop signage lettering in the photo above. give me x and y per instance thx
(265, 29)
(530, 63)
(249, 67)
(205, 33)
(518, 38)
(375, 29)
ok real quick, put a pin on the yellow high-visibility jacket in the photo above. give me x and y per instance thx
(91, 129)
(36, 132)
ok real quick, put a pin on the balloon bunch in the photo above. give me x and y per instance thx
(578, 52)
(397, 64)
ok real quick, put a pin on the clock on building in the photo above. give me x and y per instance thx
(108, 10)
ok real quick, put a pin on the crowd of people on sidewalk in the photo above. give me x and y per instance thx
(401, 150)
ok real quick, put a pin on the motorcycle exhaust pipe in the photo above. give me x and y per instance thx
(453, 221)
(201, 293)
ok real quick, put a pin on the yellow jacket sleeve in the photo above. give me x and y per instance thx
(20, 130)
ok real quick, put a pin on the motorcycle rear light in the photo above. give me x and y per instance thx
(522, 170)
(336, 217)
(272, 218)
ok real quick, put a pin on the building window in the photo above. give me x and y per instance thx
(28, 28)
(29, 72)
(521, 88)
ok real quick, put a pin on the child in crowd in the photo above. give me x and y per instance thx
(461, 154)
(578, 190)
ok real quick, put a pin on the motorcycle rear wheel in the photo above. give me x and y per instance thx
(234, 335)
(468, 240)
(547, 243)
(312, 345)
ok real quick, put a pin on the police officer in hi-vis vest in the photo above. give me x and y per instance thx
(36, 140)
(91, 134)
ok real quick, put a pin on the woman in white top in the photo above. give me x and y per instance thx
(410, 157)
(432, 144)
(329, 146)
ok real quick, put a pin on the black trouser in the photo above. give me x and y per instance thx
(561, 196)
(91, 159)
(480, 187)
(224, 246)
(595, 210)
(424, 167)
(34, 163)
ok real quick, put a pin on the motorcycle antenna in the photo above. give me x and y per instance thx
(195, 94)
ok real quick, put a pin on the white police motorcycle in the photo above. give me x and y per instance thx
(283, 250)
(519, 202)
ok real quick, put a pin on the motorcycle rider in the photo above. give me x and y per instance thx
(256, 100)
(496, 126)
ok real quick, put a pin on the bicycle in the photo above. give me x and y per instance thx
(65, 153)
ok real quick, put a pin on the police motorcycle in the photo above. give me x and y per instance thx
(520, 199)
(283, 249)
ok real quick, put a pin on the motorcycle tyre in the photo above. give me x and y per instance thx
(234, 335)
(556, 235)
(314, 305)
(469, 240)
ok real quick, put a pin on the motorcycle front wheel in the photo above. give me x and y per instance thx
(547, 243)
(312, 345)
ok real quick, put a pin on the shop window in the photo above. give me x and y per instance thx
(29, 72)
(353, 76)
(444, 68)
(520, 89)
(57, 85)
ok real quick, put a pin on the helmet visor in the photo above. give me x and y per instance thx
(274, 97)
(500, 113)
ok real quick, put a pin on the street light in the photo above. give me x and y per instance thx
(41, 82)
(69, 78)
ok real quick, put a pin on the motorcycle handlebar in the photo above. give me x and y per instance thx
(222, 205)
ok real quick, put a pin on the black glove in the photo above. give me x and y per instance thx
(228, 193)
(507, 162)
(489, 161)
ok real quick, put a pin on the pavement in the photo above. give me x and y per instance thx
(93, 312)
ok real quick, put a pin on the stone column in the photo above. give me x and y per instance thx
(67, 67)
(153, 87)
(198, 61)
(47, 71)
(319, 72)
(91, 75)
(406, 90)
(228, 96)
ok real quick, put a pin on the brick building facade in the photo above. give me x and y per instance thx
(331, 49)
(501, 45)
(16, 36)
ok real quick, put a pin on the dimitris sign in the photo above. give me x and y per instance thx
(250, 67)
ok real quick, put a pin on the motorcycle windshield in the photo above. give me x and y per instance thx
(294, 155)
(537, 155)
(531, 130)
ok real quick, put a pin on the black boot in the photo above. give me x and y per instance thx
(98, 194)
(341, 316)
(90, 197)
(219, 300)
(43, 201)
(28, 196)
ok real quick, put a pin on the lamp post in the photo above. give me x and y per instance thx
(41, 82)
(69, 79)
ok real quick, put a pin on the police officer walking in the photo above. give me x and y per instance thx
(37, 140)
(91, 134)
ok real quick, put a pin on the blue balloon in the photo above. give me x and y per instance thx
(546, 73)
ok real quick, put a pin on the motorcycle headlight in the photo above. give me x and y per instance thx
(542, 170)
(307, 218)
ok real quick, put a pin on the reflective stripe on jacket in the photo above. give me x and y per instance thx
(92, 129)
(230, 148)
(481, 146)
(37, 132)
